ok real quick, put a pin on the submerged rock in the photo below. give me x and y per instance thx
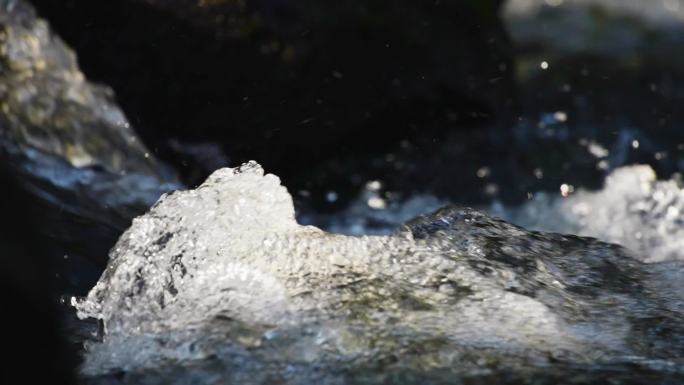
(221, 285)
(64, 140)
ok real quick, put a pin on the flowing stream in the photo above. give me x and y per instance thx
(220, 284)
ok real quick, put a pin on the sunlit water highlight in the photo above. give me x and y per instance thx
(221, 285)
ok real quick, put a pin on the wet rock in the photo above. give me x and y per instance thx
(220, 284)
(64, 141)
(295, 84)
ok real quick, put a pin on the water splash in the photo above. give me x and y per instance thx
(633, 209)
(221, 284)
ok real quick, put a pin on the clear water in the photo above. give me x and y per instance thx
(222, 285)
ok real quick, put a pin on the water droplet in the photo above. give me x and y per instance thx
(374, 185)
(331, 196)
(553, 3)
(377, 203)
(566, 190)
(483, 172)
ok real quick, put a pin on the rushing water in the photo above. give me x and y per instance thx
(633, 209)
(226, 283)
(221, 285)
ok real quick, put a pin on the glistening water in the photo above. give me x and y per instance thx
(560, 117)
(220, 284)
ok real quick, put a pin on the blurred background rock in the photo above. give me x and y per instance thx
(614, 71)
(312, 90)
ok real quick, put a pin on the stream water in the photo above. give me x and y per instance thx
(220, 284)
(558, 121)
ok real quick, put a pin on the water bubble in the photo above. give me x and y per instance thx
(566, 189)
(483, 172)
(560, 116)
(492, 189)
(597, 150)
(331, 196)
(374, 185)
(377, 203)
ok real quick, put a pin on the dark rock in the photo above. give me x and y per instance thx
(294, 83)
(30, 326)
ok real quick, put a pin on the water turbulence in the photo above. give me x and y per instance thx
(633, 209)
(220, 284)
